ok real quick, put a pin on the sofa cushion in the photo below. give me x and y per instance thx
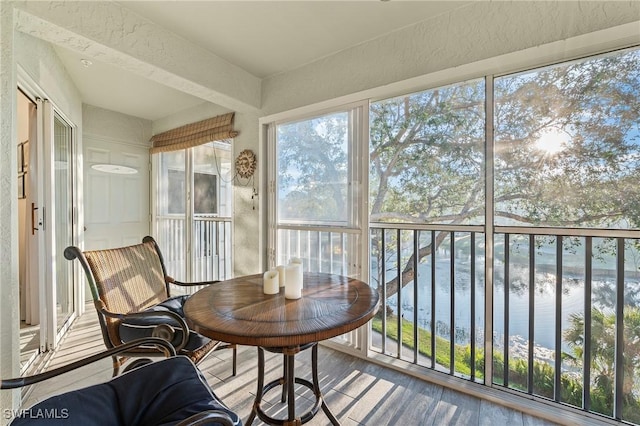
(161, 393)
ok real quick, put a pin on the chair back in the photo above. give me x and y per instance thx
(128, 279)
(123, 280)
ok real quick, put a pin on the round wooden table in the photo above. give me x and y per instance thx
(237, 311)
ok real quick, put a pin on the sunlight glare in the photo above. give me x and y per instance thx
(552, 141)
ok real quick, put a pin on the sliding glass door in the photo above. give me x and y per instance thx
(56, 220)
(63, 217)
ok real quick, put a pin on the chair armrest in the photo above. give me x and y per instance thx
(19, 382)
(172, 280)
(208, 417)
(162, 331)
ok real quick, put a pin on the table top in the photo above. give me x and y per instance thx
(237, 310)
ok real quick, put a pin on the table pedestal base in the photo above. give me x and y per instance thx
(288, 392)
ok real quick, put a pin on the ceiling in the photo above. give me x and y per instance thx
(262, 37)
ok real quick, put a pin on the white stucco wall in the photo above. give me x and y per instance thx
(111, 33)
(116, 208)
(479, 31)
(9, 314)
(106, 124)
(40, 61)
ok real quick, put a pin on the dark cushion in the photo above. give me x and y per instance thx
(161, 393)
(136, 328)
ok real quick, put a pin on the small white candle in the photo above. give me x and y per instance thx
(298, 261)
(293, 281)
(270, 282)
(281, 276)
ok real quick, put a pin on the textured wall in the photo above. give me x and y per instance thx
(114, 125)
(246, 214)
(40, 61)
(479, 31)
(9, 315)
(110, 33)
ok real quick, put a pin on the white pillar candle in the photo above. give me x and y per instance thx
(270, 282)
(293, 281)
(281, 276)
(298, 261)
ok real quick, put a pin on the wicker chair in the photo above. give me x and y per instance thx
(170, 391)
(131, 293)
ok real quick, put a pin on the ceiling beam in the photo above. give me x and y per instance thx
(108, 32)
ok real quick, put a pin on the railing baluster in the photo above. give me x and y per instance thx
(452, 306)
(331, 252)
(472, 337)
(416, 247)
(619, 364)
(213, 270)
(319, 251)
(384, 293)
(343, 253)
(399, 291)
(309, 255)
(507, 250)
(433, 299)
(558, 319)
(586, 355)
(532, 292)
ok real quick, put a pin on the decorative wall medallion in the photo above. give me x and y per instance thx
(246, 163)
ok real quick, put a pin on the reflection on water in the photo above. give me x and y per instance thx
(544, 315)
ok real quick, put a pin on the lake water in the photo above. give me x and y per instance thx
(544, 314)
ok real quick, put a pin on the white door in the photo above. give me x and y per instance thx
(116, 193)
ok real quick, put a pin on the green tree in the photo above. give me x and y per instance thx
(313, 168)
(427, 151)
(603, 357)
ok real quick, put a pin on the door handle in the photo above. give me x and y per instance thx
(33, 218)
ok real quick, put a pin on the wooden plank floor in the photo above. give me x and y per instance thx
(357, 392)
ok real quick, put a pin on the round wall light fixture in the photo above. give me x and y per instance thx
(114, 168)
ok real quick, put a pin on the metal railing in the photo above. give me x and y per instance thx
(328, 250)
(566, 310)
(207, 257)
(333, 251)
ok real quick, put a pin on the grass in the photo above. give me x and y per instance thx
(462, 353)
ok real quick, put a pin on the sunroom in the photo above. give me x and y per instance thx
(476, 163)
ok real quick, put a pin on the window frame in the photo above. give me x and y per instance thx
(590, 44)
(357, 181)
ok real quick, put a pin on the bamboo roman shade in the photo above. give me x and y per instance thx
(194, 134)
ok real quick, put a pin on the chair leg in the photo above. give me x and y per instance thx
(235, 356)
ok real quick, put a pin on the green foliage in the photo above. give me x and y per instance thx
(427, 159)
(603, 358)
(313, 168)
